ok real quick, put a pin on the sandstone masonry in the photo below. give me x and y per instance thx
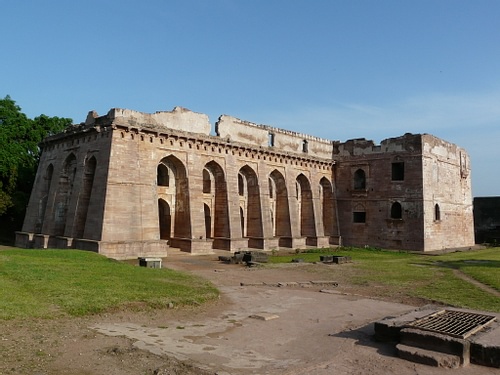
(131, 184)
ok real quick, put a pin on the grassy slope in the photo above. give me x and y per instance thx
(44, 283)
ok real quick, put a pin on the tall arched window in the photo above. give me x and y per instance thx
(359, 180)
(396, 211)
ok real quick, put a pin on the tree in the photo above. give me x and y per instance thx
(19, 156)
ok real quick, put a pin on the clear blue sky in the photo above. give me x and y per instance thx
(331, 68)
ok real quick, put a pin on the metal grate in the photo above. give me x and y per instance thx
(459, 324)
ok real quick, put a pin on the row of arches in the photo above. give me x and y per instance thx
(262, 212)
(58, 196)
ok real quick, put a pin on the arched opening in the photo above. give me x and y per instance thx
(207, 182)
(63, 196)
(242, 222)
(173, 189)
(42, 204)
(359, 180)
(306, 215)
(396, 211)
(279, 205)
(327, 205)
(162, 176)
(241, 185)
(220, 206)
(250, 203)
(437, 212)
(208, 221)
(85, 197)
(165, 220)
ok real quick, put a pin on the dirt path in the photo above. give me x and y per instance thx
(480, 285)
(296, 328)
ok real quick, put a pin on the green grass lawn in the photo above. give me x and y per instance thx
(423, 276)
(47, 283)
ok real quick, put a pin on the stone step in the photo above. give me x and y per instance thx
(428, 357)
(436, 342)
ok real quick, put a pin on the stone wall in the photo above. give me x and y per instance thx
(131, 184)
(448, 214)
(407, 179)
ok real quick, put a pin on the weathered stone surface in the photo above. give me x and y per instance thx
(131, 184)
(428, 357)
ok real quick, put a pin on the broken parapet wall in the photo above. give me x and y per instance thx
(179, 118)
(232, 129)
(361, 146)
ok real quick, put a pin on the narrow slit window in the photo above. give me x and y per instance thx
(271, 139)
(304, 146)
(437, 212)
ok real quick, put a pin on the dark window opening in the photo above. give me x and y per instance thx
(271, 140)
(304, 146)
(241, 186)
(359, 217)
(359, 180)
(437, 213)
(398, 171)
(206, 181)
(162, 176)
(396, 211)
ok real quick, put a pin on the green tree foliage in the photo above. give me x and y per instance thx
(19, 156)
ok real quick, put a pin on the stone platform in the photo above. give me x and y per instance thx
(441, 349)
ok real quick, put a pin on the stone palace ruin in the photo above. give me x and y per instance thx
(131, 184)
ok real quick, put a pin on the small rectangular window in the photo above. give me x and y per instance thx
(398, 171)
(271, 139)
(359, 217)
(305, 146)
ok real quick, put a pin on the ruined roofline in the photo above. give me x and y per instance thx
(272, 129)
(166, 119)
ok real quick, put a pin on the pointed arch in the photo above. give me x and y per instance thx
(327, 206)
(359, 180)
(173, 188)
(44, 197)
(165, 219)
(220, 212)
(279, 206)
(307, 221)
(250, 201)
(85, 196)
(63, 195)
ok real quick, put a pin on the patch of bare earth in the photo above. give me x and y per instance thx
(314, 333)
